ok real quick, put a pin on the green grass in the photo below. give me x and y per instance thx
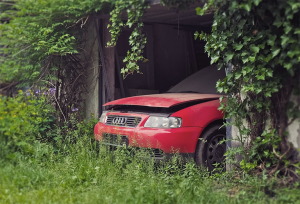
(81, 175)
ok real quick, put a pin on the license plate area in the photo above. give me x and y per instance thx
(115, 140)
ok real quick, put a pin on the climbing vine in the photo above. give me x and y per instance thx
(260, 41)
(135, 10)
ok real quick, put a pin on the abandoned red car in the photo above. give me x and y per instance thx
(171, 122)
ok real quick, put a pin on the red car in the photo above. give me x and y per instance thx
(185, 120)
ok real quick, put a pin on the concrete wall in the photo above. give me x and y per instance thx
(90, 54)
(294, 128)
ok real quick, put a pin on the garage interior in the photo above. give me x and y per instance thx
(171, 51)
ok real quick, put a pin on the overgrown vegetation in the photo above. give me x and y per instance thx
(73, 169)
(42, 43)
(44, 163)
(24, 119)
(261, 40)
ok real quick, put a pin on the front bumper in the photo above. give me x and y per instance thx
(181, 140)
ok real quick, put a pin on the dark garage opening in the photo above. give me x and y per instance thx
(172, 52)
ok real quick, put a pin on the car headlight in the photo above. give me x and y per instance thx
(163, 122)
(102, 118)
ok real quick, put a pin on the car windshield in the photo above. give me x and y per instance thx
(203, 81)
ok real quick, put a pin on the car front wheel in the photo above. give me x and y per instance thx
(209, 151)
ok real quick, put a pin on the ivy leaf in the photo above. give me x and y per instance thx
(238, 75)
(277, 22)
(244, 53)
(258, 90)
(251, 58)
(270, 73)
(200, 11)
(275, 52)
(245, 59)
(293, 52)
(262, 46)
(229, 56)
(129, 24)
(256, 2)
(214, 58)
(254, 48)
(237, 46)
(220, 89)
(247, 7)
(297, 31)
(271, 40)
(196, 34)
(268, 58)
(287, 27)
(246, 38)
(284, 39)
(260, 77)
(288, 65)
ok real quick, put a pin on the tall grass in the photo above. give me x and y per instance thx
(87, 174)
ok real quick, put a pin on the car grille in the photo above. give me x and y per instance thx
(115, 140)
(157, 153)
(125, 121)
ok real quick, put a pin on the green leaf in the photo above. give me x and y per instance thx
(256, 2)
(284, 39)
(275, 52)
(287, 27)
(277, 22)
(251, 58)
(246, 38)
(297, 31)
(254, 48)
(237, 46)
(293, 52)
(229, 56)
(247, 7)
(238, 75)
(245, 59)
(288, 65)
(270, 73)
(214, 59)
(244, 53)
(220, 89)
(196, 34)
(271, 40)
(268, 58)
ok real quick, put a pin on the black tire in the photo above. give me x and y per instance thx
(208, 150)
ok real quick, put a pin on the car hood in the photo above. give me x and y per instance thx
(163, 100)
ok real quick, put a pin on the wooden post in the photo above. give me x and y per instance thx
(109, 59)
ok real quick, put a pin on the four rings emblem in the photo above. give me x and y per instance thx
(119, 121)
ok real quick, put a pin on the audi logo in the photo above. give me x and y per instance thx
(119, 121)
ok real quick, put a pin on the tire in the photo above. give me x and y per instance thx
(208, 150)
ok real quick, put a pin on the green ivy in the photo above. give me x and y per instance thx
(135, 10)
(261, 40)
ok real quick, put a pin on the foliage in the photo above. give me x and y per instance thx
(87, 175)
(135, 10)
(23, 119)
(179, 4)
(36, 31)
(72, 131)
(261, 40)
